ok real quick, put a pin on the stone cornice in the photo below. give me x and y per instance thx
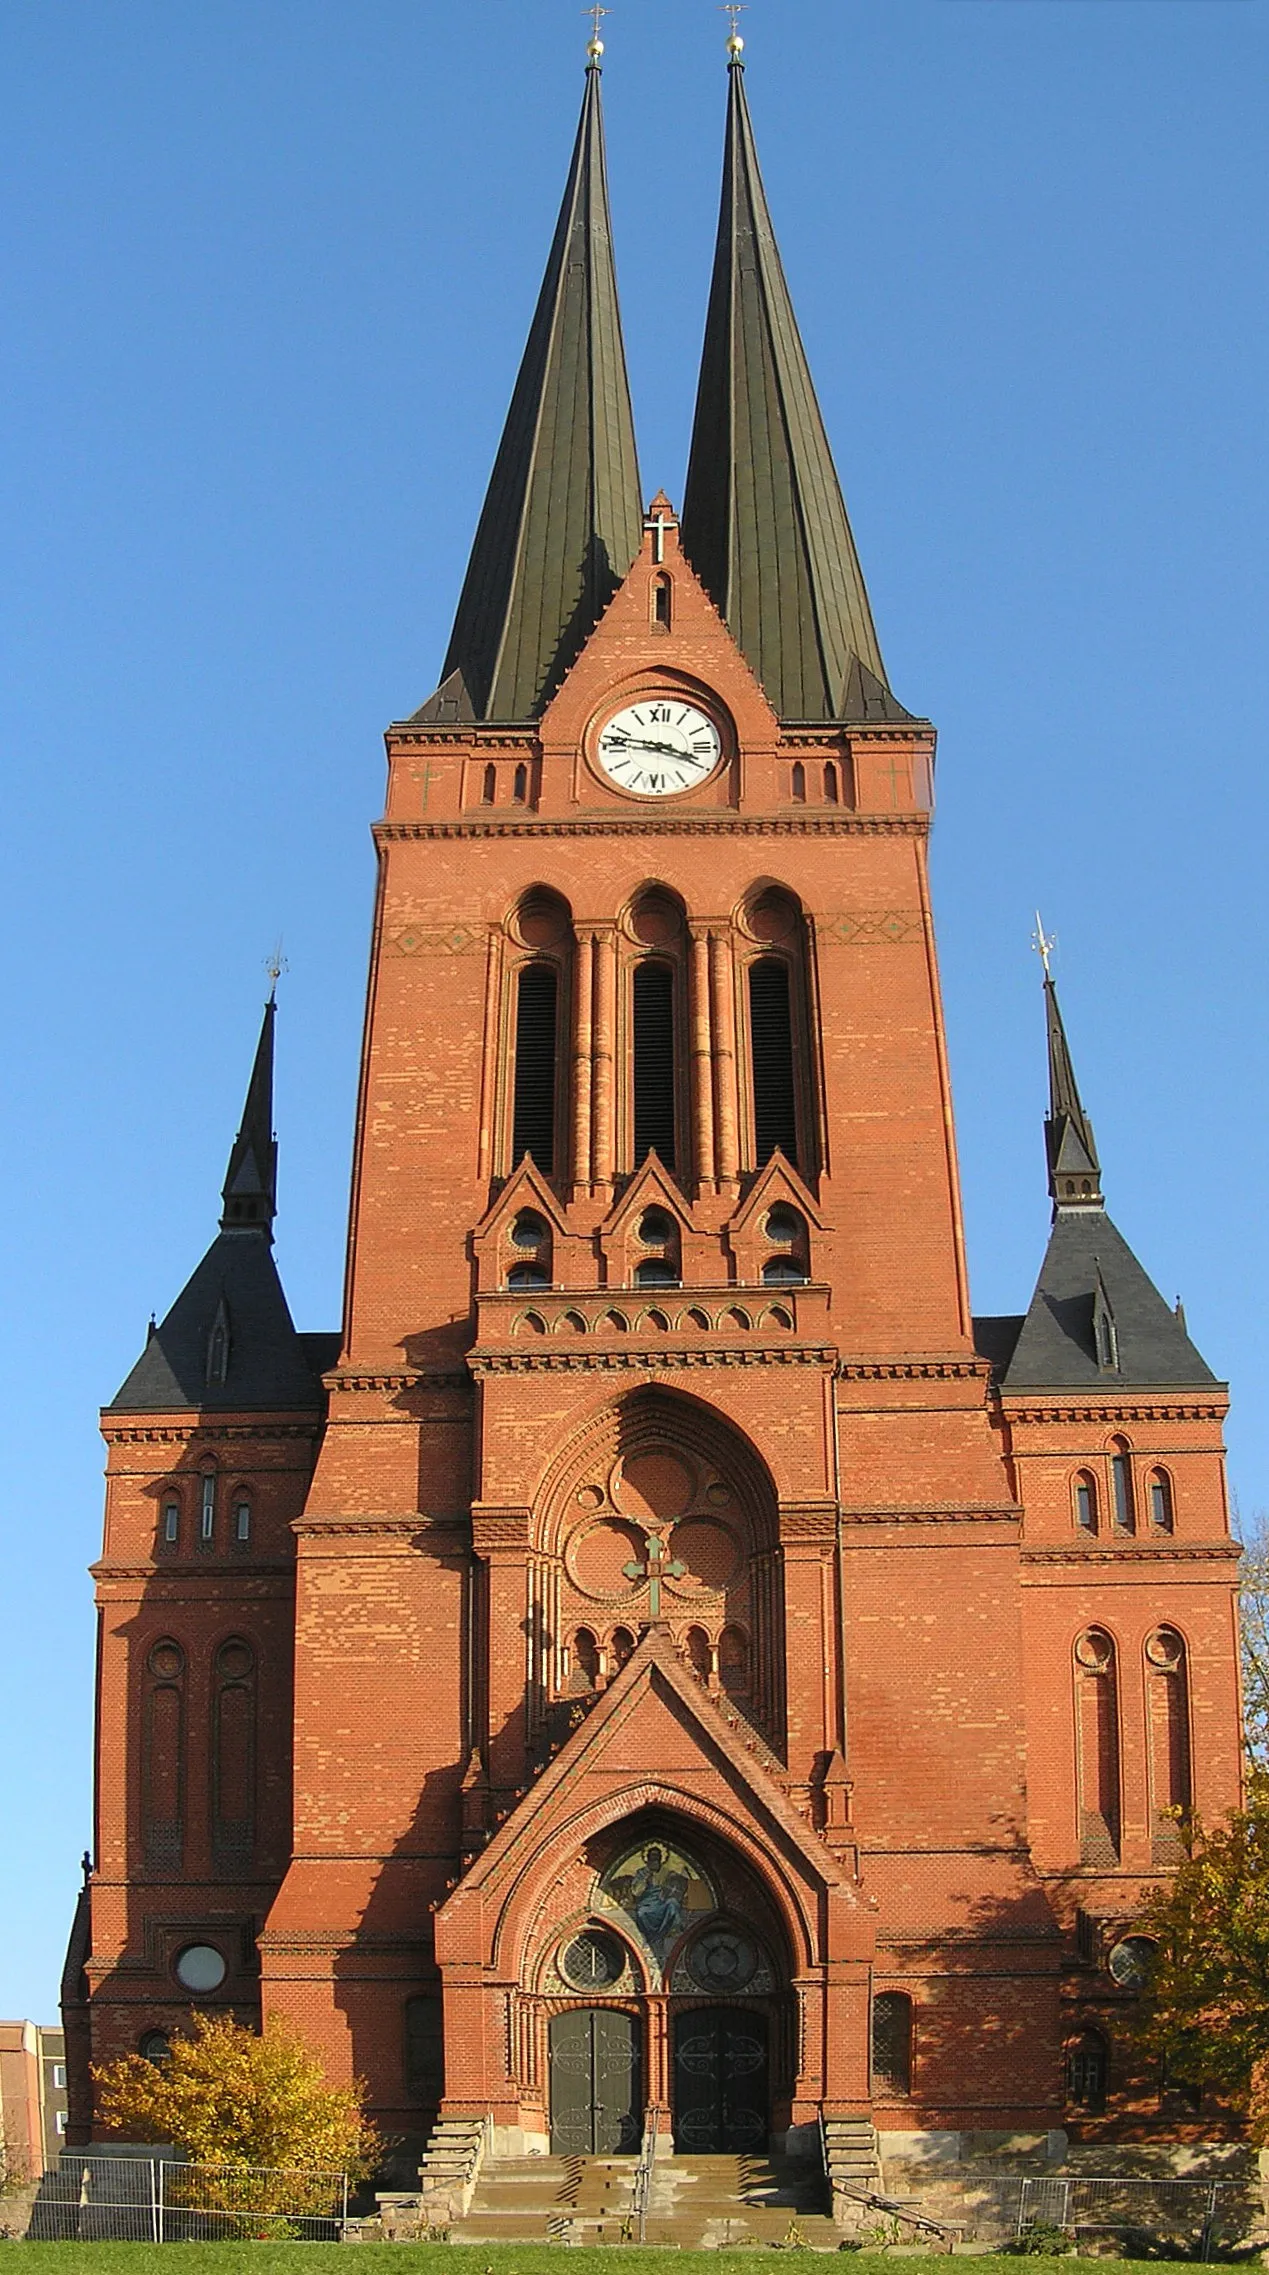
(657, 1361)
(939, 1513)
(206, 1433)
(811, 734)
(1138, 1552)
(912, 1370)
(1150, 1408)
(692, 824)
(356, 1378)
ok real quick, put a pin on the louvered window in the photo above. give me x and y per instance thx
(533, 1128)
(654, 1063)
(771, 1039)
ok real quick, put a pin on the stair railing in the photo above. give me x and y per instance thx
(643, 2171)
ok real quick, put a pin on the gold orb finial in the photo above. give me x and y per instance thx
(595, 46)
(735, 45)
(734, 10)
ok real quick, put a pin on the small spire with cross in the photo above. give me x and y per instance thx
(1044, 944)
(655, 1568)
(595, 45)
(734, 10)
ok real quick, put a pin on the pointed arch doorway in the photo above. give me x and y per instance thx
(596, 2055)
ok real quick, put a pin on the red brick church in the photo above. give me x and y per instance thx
(662, 1652)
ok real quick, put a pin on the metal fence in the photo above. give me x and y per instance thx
(88, 2199)
(1144, 2217)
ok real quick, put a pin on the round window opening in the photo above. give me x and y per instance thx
(528, 1231)
(200, 1967)
(593, 1960)
(1131, 1961)
(722, 1961)
(156, 2047)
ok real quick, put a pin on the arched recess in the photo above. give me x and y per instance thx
(1168, 1725)
(658, 1465)
(533, 1050)
(163, 1757)
(233, 1760)
(778, 1057)
(1097, 1746)
(653, 1103)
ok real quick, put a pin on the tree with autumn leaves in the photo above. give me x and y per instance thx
(1205, 2010)
(239, 2101)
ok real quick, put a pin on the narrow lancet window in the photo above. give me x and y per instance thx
(207, 1510)
(1121, 1486)
(533, 1126)
(771, 1039)
(654, 1118)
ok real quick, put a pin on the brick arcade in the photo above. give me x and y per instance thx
(663, 1651)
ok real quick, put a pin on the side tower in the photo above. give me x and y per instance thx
(210, 1448)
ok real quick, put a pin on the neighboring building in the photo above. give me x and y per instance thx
(32, 2096)
(663, 1649)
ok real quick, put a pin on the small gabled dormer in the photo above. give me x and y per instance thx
(772, 1238)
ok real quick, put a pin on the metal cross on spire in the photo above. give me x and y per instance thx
(595, 46)
(656, 1567)
(275, 964)
(1044, 943)
(734, 10)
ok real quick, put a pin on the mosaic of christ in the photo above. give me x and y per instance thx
(660, 1890)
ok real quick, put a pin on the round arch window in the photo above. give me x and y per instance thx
(1131, 1960)
(721, 1960)
(155, 2047)
(593, 1960)
(200, 1967)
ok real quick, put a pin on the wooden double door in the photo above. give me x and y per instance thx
(596, 2082)
(721, 2083)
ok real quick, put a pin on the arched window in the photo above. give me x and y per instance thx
(533, 1121)
(424, 2050)
(584, 1661)
(489, 790)
(163, 1757)
(171, 1522)
(657, 1272)
(242, 1521)
(621, 1644)
(218, 1346)
(1086, 1501)
(1097, 1746)
(1160, 1500)
(520, 787)
(830, 783)
(233, 1778)
(1168, 1706)
(698, 1652)
(733, 1661)
(1087, 2068)
(654, 1063)
(207, 1509)
(892, 2041)
(527, 1276)
(662, 603)
(1121, 1485)
(771, 1044)
(799, 783)
(155, 2046)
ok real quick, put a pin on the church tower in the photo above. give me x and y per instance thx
(681, 1645)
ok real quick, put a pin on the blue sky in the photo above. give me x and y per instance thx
(268, 269)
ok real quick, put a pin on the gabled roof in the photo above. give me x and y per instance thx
(1057, 1349)
(563, 516)
(764, 524)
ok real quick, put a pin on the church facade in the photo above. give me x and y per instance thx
(663, 1653)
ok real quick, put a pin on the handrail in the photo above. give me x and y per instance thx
(643, 2171)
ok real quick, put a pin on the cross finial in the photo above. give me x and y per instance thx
(595, 45)
(656, 1566)
(734, 10)
(275, 964)
(1043, 942)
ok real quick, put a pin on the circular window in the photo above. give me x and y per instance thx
(200, 1967)
(1131, 1960)
(528, 1231)
(722, 1960)
(593, 1960)
(656, 1227)
(782, 1226)
(155, 2047)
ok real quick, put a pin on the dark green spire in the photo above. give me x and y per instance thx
(250, 1190)
(764, 524)
(1074, 1170)
(563, 518)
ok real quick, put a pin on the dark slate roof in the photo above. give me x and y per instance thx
(1068, 1132)
(995, 1339)
(268, 1364)
(563, 518)
(764, 525)
(1056, 1349)
(250, 1191)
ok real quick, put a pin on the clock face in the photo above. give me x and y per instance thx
(659, 746)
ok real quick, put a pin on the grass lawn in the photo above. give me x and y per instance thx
(457, 2259)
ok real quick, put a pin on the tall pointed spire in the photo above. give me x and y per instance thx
(764, 524)
(250, 1190)
(563, 517)
(1074, 1170)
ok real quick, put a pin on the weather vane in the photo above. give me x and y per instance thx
(596, 46)
(1043, 942)
(275, 964)
(734, 10)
